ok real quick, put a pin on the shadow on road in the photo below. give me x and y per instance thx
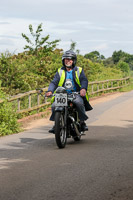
(98, 136)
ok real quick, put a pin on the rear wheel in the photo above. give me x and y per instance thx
(60, 130)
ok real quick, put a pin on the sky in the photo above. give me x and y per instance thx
(95, 25)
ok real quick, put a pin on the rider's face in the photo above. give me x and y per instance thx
(68, 62)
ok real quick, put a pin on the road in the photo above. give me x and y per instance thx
(99, 167)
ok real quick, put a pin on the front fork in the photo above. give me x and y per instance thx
(65, 119)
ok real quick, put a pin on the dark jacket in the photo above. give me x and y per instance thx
(83, 81)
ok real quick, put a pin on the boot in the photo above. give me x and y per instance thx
(84, 127)
(51, 130)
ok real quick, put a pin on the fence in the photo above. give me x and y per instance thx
(94, 88)
(102, 86)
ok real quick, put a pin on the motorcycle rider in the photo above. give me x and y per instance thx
(69, 72)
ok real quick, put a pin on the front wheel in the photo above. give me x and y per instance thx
(60, 130)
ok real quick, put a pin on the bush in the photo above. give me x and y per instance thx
(8, 118)
(123, 66)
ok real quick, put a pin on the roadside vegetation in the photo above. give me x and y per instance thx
(8, 117)
(36, 66)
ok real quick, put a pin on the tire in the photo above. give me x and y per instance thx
(60, 131)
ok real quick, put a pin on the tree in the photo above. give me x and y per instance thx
(102, 57)
(124, 57)
(118, 55)
(73, 46)
(94, 56)
(39, 43)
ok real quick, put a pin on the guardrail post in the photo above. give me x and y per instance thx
(18, 104)
(38, 99)
(29, 100)
(97, 86)
(103, 86)
(107, 84)
(92, 88)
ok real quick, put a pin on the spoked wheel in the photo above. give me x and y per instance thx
(60, 131)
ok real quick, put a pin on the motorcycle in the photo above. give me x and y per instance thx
(67, 123)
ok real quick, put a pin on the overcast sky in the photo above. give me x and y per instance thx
(102, 25)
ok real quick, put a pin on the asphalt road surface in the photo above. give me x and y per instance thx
(99, 167)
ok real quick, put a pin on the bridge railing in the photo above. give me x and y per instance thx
(32, 100)
(112, 84)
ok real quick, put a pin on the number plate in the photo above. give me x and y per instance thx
(60, 99)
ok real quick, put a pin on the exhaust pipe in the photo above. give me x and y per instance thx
(75, 125)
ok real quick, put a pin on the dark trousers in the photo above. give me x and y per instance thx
(78, 101)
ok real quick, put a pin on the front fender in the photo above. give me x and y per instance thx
(59, 109)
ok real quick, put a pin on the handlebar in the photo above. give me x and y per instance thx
(40, 91)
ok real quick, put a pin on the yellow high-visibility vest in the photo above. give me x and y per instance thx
(62, 78)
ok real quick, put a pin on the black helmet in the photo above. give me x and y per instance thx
(70, 55)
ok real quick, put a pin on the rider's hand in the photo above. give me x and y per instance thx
(82, 92)
(48, 94)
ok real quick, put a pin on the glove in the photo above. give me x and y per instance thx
(82, 92)
(48, 94)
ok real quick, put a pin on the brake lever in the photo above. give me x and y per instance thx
(39, 90)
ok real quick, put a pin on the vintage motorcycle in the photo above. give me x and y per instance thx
(67, 123)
